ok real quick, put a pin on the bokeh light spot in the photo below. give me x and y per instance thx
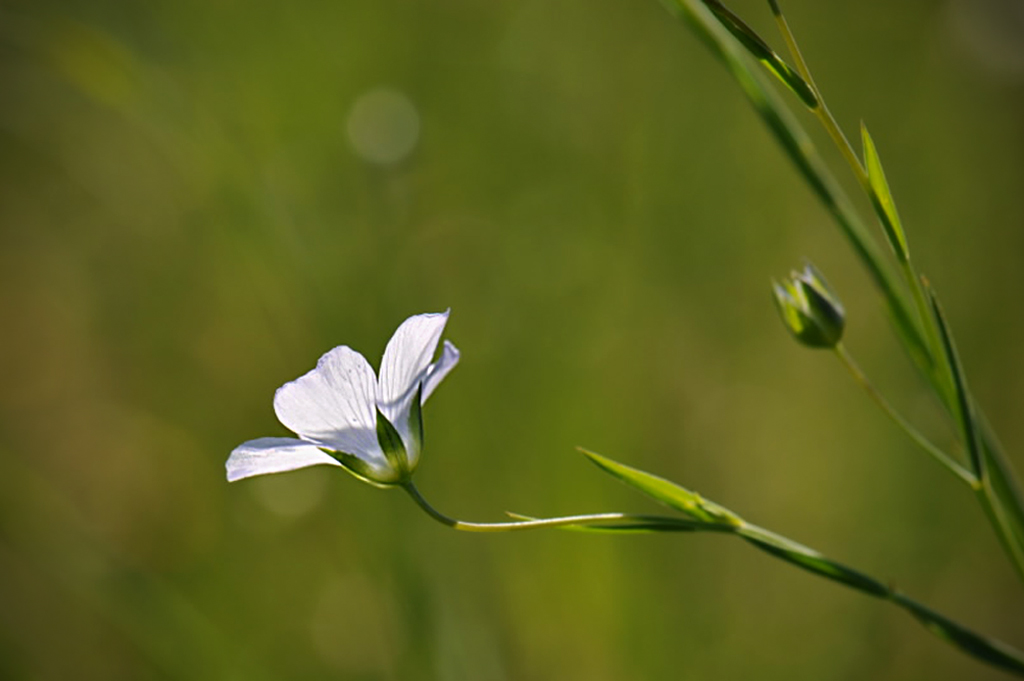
(383, 126)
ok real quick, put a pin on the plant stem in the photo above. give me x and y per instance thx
(652, 523)
(942, 457)
(822, 110)
(988, 650)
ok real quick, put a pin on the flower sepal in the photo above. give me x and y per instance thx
(378, 476)
(810, 309)
(394, 450)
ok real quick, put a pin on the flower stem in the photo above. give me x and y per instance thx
(661, 523)
(861, 378)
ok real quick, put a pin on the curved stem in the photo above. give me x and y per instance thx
(662, 523)
(945, 459)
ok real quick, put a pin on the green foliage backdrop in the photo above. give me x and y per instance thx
(192, 210)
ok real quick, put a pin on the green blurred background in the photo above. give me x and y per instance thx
(200, 198)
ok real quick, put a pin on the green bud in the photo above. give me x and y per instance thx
(810, 308)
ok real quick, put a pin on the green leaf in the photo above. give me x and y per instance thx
(668, 493)
(881, 198)
(994, 652)
(811, 560)
(763, 53)
(964, 405)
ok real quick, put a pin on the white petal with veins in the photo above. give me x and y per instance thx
(274, 455)
(334, 405)
(406, 362)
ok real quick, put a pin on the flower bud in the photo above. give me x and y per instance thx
(810, 308)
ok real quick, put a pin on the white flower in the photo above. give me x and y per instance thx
(372, 427)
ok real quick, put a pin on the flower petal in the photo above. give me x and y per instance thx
(334, 405)
(274, 455)
(439, 369)
(406, 363)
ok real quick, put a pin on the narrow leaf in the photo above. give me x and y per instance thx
(763, 53)
(881, 198)
(994, 652)
(965, 407)
(811, 560)
(660, 489)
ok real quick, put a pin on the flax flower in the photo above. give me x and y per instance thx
(345, 416)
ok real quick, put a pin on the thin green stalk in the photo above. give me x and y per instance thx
(821, 110)
(695, 506)
(989, 650)
(942, 457)
(653, 523)
(995, 511)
